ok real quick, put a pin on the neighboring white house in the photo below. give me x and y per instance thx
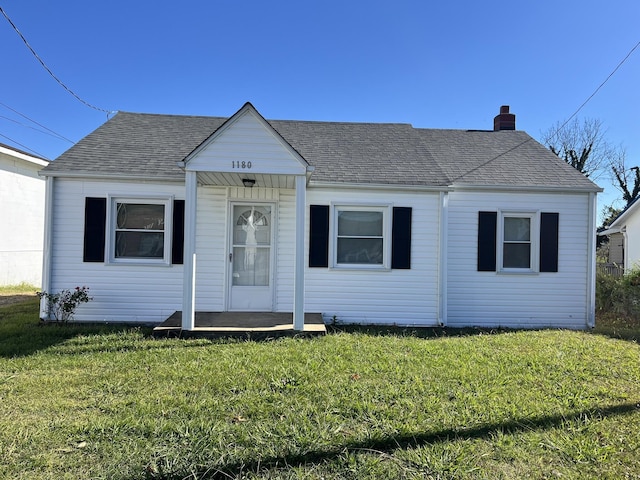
(21, 217)
(624, 237)
(362, 222)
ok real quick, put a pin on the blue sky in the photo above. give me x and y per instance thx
(432, 64)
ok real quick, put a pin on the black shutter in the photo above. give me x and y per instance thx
(177, 243)
(319, 236)
(401, 238)
(487, 229)
(549, 242)
(95, 217)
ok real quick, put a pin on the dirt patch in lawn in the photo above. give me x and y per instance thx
(13, 299)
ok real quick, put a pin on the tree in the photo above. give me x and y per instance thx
(609, 214)
(582, 144)
(624, 178)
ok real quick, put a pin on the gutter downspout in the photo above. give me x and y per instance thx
(443, 298)
(591, 263)
(48, 244)
(625, 247)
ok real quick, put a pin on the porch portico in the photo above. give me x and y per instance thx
(229, 159)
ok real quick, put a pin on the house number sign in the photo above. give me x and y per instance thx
(243, 165)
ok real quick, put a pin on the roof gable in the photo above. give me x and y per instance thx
(246, 142)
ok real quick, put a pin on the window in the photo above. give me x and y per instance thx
(361, 237)
(140, 230)
(518, 242)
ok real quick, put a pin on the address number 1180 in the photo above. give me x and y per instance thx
(240, 164)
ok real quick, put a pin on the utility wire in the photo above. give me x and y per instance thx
(596, 90)
(32, 128)
(565, 123)
(24, 146)
(48, 130)
(44, 65)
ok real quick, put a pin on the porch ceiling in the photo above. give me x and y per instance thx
(226, 179)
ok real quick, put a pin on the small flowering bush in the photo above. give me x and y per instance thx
(62, 306)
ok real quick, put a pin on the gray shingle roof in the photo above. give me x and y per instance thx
(149, 146)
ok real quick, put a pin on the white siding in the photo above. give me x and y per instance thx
(632, 259)
(212, 244)
(121, 293)
(285, 251)
(511, 300)
(401, 297)
(211, 239)
(21, 221)
(247, 139)
(134, 293)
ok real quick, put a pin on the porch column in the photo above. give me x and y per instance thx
(189, 272)
(298, 292)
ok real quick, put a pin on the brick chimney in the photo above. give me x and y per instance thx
(504, 120)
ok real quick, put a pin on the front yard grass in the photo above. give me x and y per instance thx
(111, 403)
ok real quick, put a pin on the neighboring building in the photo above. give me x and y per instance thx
(21, 217)
(624, 237)
(362, 222)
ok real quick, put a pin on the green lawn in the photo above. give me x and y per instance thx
(111, 403)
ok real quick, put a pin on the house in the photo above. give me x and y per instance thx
(21, 217)
(361, 222)
(624, 237)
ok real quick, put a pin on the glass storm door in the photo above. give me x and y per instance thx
(251, 257)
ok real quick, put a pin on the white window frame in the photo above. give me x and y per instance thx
(386, 235)
(534, 240)
(112, 214)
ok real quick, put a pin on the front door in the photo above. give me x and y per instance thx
(251, 257)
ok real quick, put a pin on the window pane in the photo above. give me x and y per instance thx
(360, 251)
(140, 216)
(517, 229)
(252, 225)
(516, 255)
(251, 266)
(139, 244)
(359, 224)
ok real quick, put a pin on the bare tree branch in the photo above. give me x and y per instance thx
(623, 179)
(582, 144)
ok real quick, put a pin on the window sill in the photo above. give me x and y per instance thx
(517, 272)
(137, 263)
(361, 268)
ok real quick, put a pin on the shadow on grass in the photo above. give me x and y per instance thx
(619, 327)
(22, 333)
(416, 332)
(627, 330)
(388, 445)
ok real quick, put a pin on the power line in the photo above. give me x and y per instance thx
(565, 123)
(47, 132)
(32, 128)
(44, 65)
(596, 90)
(24, 146)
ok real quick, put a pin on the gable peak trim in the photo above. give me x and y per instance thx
(246, 109)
